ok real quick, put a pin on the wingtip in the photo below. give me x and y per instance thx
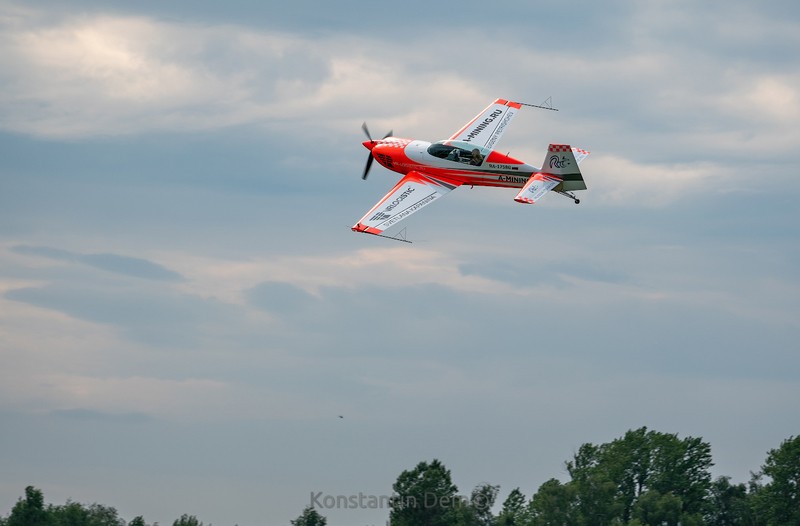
(358, 227)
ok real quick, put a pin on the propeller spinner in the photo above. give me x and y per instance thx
(369, 144)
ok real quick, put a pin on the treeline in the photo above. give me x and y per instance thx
(32, 511)
(644, 478)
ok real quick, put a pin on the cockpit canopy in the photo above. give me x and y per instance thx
(458, 151)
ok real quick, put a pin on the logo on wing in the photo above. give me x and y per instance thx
(380, 216)
(556, 162)
(399, 199)
(483, 124)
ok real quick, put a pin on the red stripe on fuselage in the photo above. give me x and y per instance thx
(505, 177)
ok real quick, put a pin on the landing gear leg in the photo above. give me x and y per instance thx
(570, 195)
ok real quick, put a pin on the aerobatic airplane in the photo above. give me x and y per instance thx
(431, 170)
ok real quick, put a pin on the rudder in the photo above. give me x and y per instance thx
(562, 161)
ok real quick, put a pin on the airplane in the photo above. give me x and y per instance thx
(431, 170)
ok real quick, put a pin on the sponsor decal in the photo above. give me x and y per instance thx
(483, 124)
(410, 210)
(380, 216)
(555, 162)
(399, 199)
(511, 179)
(500, 129)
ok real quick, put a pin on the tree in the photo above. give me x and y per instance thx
(309, 517)
(137, 521)
(778, 501)
(481, 502)
(553, 504)
(70, 514)
(728, 504)
(30, 511)
(654, 509)
(609, 479)
(514, 512)
(187, 520)
(681, 467)
(478, 511)
(425, 496)
(595, 481)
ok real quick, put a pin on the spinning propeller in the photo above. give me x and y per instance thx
(372, 143)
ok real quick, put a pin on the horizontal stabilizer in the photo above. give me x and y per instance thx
(538, 185)
(579, 154)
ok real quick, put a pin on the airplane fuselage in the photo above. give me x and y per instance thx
(456, 161)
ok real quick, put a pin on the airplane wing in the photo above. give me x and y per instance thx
(413, 192)
(487, 128)
(538, 185)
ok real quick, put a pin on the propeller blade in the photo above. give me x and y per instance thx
(370, 158)
(368, 166)
(366, 131)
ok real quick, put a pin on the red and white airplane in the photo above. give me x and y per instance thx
(431, 170)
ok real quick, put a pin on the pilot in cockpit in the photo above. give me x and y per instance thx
(476, 158)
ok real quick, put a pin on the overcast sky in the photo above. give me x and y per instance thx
(185, 312)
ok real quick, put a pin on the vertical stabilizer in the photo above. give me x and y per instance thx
(561, 161)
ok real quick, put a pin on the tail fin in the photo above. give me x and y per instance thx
(562, 161)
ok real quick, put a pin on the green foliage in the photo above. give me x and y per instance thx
(611, 479)
(514, 512)
(30, 511)
(481, 502)
(76, 514)
(728, 504)
(554, 503)
(426, 496)
(478, 511)
(187, 520)
(654, 509)
(778, 501)
(309, 517)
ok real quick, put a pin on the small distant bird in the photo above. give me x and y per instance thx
(340, 416)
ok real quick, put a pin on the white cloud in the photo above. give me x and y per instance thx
(107, 75)
(770, 99)
(621, 181)
(110, 75)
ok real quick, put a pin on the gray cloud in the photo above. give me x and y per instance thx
(150, 315)
(125, 265)
(129, 266)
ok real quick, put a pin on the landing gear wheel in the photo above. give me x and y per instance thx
(577, 201)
